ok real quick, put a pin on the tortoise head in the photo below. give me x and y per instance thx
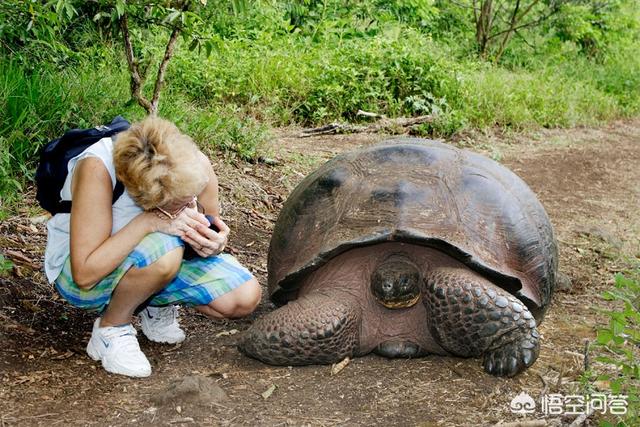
(395, 283)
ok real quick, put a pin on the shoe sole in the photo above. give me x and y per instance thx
(162, 341)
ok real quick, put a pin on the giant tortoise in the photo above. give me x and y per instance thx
(408, 248)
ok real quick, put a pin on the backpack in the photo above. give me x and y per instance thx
(54, 158)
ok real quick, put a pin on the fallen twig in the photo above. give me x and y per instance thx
(18, 256)
(383, 124)
(12, 324)
(582, 418)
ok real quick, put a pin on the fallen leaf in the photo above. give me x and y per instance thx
(602, 385)
(269, 391)
(226, 333)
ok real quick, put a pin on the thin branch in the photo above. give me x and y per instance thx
(528, 24)
(384, 124)
(168, 53)
(496, 14)
(514, 20)
(136, 81)
(527, 42)
(475, 11)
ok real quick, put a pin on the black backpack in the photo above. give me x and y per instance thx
(54, 158)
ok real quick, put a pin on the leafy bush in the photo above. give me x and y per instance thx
(621, 340)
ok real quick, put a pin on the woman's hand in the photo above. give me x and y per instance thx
(206, 242)
(188, 219)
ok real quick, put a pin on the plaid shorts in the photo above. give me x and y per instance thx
(198, 282)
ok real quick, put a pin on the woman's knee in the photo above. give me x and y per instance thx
(240, 302)
(165, 268)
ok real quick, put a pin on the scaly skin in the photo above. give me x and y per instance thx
(469, 316)
(313, 329)
(465, 314)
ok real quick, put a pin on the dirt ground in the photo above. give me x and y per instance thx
(588, 180)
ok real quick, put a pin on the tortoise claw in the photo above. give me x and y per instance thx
(510, 359)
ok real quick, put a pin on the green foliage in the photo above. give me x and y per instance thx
(37, 106)
(621, 339)
(597, 26)
(6, 266)
(395, 73)
(224, 130)
(242, 65)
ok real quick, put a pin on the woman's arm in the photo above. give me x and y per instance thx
(208, 198)
(94, 252)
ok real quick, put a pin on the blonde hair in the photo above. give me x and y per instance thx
(158, 164)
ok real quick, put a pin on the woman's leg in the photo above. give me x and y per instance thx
(238, 303)
(138, 284)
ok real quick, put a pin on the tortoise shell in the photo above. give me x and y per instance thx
(420, 192)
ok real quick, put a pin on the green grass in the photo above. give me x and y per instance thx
(523, 99)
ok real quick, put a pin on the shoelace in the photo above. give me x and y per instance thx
(166, 317)
(126, 337)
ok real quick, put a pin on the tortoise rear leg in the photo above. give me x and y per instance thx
(314, 329)
(470, 316)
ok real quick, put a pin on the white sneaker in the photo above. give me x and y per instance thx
(160, 324)
(118, 349)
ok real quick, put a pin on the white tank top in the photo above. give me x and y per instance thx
(124, 210)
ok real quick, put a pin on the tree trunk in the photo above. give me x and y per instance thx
(483, 26)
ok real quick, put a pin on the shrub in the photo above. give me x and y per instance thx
(621, 340)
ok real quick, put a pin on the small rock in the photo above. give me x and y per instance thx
(563, 282)
(41, 219)
(192, 389)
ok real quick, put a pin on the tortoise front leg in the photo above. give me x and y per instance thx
(315, 329)
(470, 316)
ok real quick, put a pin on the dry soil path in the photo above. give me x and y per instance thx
(588, 179)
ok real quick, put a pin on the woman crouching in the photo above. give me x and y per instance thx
(128, 257)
